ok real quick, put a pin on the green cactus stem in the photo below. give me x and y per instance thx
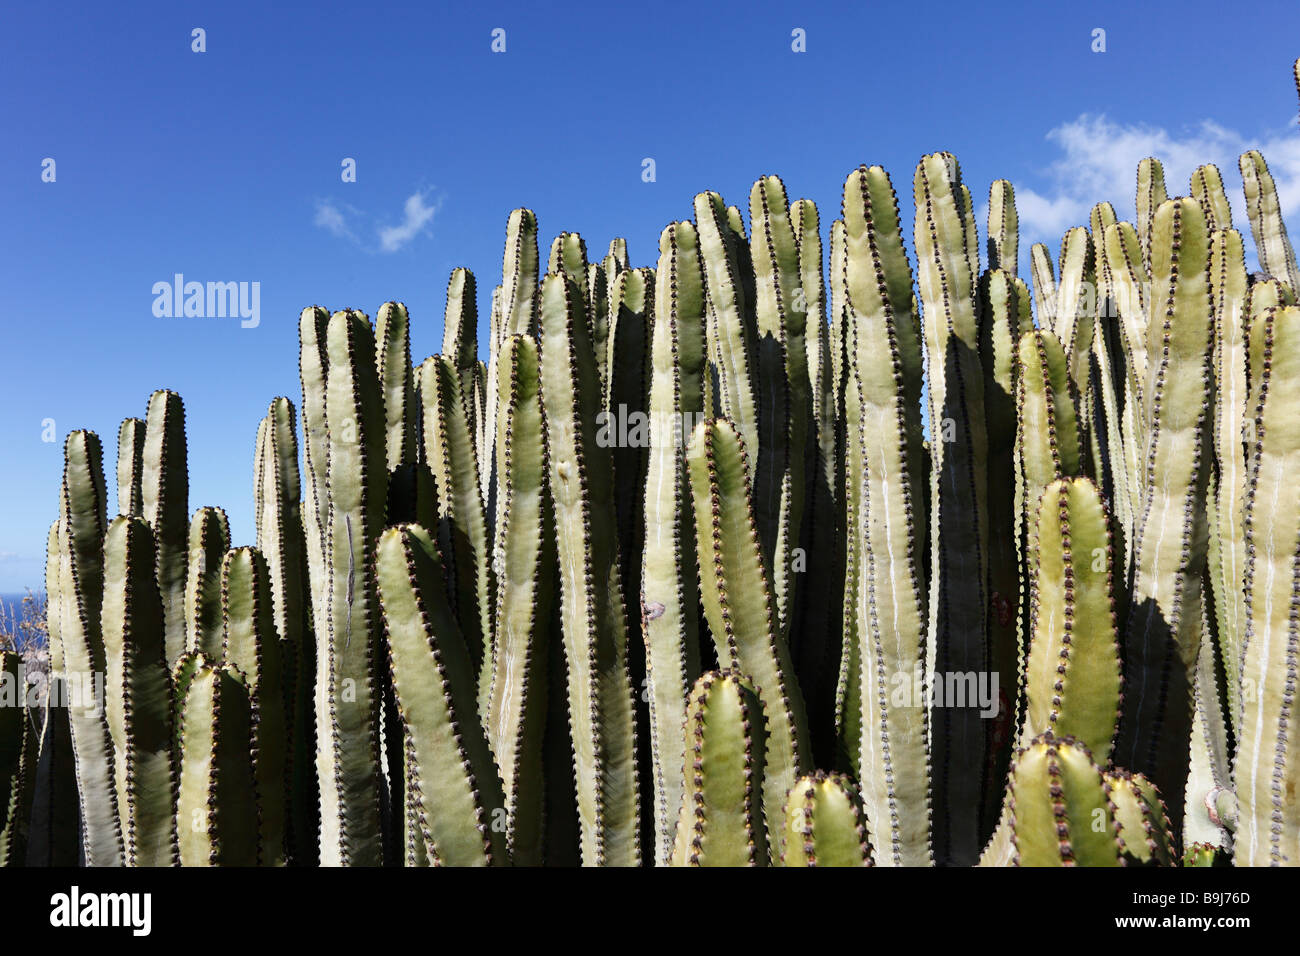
(81, 584)
(825, 823)
(888, 519)
(721, 823)
(601, 714)
(1057, 797)
(252, 644)
(738, 604)
(164, 485)
(347, 703)
(209, 539)
(525, 559)
(216, 812)
(1163, 632)
(138, 703)
(1266, 770)
(669, 585)
(1276, 256)
(454, 789)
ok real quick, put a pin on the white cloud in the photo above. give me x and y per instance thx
(332, 219)
(341, 220)
(417, 217)
(1098, 160)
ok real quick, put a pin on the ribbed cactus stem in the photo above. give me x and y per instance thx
(669, 584)
(454, 789)
(1142, 820)
(721, 818)
(347, 702)
(1058, 797)
(957, 633)
(18, 757)
(209, 539)
(165, 496)
(825, 824)
(81, 582)
(1163, 632)
(524, 555)
(1276, 255)
(887, 519)
(216, 812)
(1266, 769)
(251, 643)
(738, 604)
(130, 466)
(138, 704)
(591, 596)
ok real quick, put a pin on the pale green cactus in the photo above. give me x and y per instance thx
(470, 630)
(825, 824)
(721, 819)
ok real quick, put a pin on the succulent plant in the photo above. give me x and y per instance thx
(1012, 563)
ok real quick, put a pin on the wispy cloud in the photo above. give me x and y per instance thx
(348, 222)
(417, 216)
(1098, 160)
(333, 219)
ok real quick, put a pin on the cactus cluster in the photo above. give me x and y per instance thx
(924, 565)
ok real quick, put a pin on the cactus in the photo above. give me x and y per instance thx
(745, 632)
(1265, 769)
(216, 809)
(1056, 794)
(825, 824)
(525, 579)
(669, 588)
(721, 820)
(138, 702)
(591, 596)
(862, 492)
(454, 787)
(18, 756)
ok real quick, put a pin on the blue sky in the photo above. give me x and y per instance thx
(225, 165)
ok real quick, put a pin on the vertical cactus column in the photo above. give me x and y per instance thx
(730, 335)
(815, 632)
(591, 596)
(669, 584)
(165, 490)
(251, 644)
(209, 539)
(281, 539)
(525, 558)
(18, 756)
(139, 699)
(130, 466)
(347, 703)
(1162, 637)
(1276, 255)
(781, 307)
(1058, 795)
(463, 528)
(216, 812)
(720, 823)
(454, 790)
(957, 636)
(887, 519)
(81, 584)
(1266, 769)
(737, 596)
